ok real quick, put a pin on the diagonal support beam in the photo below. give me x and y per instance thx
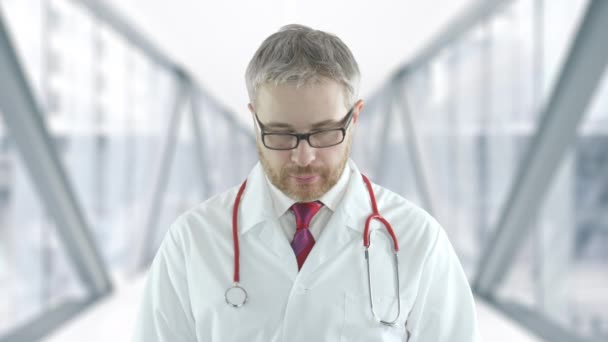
(473, 15)
(557, 130)
(40, 326)
(387, 101)
(25, 121)
(163, 173)
(417, 160)
(215, 107)
(200, 147)
(104, 12)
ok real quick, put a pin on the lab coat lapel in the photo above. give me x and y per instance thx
(345, 225)
(272, 237)
(256, 205)
(258, 225)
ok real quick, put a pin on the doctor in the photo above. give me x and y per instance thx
(282, 257)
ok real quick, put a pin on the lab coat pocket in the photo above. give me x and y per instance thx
(360, 324)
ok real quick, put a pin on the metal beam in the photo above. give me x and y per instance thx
(27, 126)
(240, 128)
(388, 96)
(200, 145)
(557, 130)
(105, 13)
(163, 174)
(37, 328)
(474, 15)
(414, 145)
(455, 30)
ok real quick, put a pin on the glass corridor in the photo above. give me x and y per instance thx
(104, 140)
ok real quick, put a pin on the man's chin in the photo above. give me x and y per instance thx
(304, 192)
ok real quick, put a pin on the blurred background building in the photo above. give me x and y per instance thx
(116, 116)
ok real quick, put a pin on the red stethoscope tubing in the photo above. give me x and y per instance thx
(235, 233)
(374, 216)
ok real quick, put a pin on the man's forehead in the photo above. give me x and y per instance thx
(287, 105)
(307, 123)
(320, 94)
(297, 84)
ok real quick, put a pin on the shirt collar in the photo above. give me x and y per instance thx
(257, 206)
(331, 199)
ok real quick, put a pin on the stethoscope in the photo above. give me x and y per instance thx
(237, 296)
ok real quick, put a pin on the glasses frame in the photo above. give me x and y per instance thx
(305, 136)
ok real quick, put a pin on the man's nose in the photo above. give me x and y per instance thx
(304, 154)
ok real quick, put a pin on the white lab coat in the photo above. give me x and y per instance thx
(328, 299)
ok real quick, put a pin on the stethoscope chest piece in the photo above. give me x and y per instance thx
(236, 296)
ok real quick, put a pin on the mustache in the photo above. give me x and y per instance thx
(299, 170)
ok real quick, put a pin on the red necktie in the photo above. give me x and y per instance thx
(303, 240)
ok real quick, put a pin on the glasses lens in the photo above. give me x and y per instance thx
(326, 138)
(280, 141)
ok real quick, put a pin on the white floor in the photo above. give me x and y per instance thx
(113, 318)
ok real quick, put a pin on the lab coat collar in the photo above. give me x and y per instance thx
(256, 204)
(333, 197)
(356, 204)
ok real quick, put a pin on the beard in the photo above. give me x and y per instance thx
(283, 180)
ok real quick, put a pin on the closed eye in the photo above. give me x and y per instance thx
(270, 131)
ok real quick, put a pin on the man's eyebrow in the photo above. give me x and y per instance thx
(313, 126)
(325, 123)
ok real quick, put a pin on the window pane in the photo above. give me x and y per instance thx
(35, 273)
(222, 140)
(562, 273)
(475, 107)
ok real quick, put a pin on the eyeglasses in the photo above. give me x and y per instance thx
(318, 139)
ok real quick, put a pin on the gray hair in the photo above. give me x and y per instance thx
(302, 55)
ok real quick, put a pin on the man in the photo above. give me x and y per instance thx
(299, 272)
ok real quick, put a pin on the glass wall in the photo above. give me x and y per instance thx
(223, 138)
(116, 117)
(562, 272)
(123, 129)
(474, 108)
(35, 273)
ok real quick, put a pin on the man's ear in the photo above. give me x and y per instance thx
(252, 110)
(358, 107)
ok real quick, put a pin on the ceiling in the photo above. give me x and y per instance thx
(215, 40)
